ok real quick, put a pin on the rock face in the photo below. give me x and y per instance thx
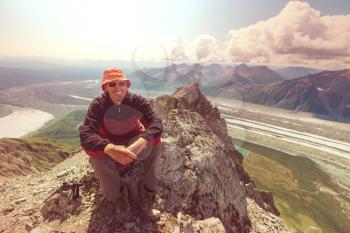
(264, 221)
(196, 176)
(201, 187)
(190, 98)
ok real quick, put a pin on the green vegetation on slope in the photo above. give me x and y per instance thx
(64, 131)
(24, 156)
(305, 195)
(43, 149)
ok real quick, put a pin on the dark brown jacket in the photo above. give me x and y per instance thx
(106, 122)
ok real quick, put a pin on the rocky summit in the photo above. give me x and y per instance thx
(202, 184)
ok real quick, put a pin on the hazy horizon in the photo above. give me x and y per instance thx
(281, 33)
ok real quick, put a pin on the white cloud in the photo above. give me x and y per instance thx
(298, 35)
(204, 48)
(178, 53)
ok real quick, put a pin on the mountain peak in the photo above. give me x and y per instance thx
(258, 74)
(189, 92)
(242, 65)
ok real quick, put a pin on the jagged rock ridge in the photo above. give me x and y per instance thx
(189, 97)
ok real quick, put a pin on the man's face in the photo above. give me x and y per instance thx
(117, 89)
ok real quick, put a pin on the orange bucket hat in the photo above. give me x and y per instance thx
(114, 74)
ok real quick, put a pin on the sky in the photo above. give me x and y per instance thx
(273, 32)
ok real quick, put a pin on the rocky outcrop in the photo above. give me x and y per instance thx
(196, 175)
(200, 188)
(262, 221)
(38, 203)
(189, 97)
(262, 198)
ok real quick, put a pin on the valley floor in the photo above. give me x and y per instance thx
(300, 134)
(22, 121)
(304, 161)
(305, 195)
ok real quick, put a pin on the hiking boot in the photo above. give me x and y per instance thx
(147, 198)
(122, 207)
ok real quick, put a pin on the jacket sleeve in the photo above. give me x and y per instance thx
(153, 124)
(90, 139)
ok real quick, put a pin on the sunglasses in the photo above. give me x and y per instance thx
(114, 84)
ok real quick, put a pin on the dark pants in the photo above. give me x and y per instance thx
(109, 177)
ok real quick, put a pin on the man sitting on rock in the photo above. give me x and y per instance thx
(121, 129)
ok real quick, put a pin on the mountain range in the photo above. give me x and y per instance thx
(325, 93)
(295, 88)
(176, 75)
(295, 72)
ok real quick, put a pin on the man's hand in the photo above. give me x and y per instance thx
(137, 146)
(121, 154)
